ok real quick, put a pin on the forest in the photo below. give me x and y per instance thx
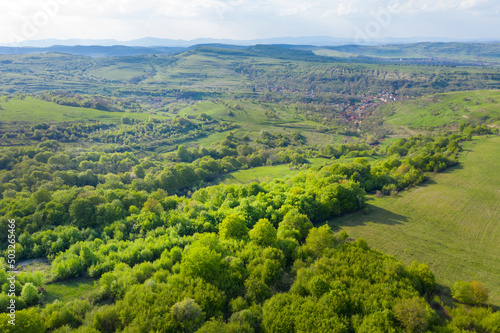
(124, 191)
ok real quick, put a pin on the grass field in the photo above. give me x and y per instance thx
(68, 290)
(451, 222)
(31, 109)
(445, 109)
(266, 173)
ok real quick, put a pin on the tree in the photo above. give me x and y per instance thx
(470, 293)
(319, 239)
(139, 171)
(188, 313)
(27, 320)
(263, 233)
(200, 261)
(479, 291)
(183, 154)
(413, 314)
(294, 220)
(423, 276)
(233, 226)
(29, 294)
(462, 292)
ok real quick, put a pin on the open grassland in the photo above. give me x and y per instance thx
(266, 173)
(452, 223)
(252, 117)
(69, 290)
(30, 109)
(445, 109)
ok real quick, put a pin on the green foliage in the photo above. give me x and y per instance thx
(263, 233)
(188, 313)
(29, 294)
(125, 203)
(413, 314)
(27, 320)
(470, 293)
(294, 224)
(233, 227)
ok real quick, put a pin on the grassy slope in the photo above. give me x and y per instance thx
(443, 109)
(35, 110)
(452, 223)
(251, 118)
(266, 173)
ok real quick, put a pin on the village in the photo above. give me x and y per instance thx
(356, 112)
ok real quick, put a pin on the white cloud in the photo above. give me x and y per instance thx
(189, 19)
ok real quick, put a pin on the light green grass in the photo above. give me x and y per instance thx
(69, 290)
(445, 109)
(34, 110)
(451, 222)
(267, 173)
(332, 53)
(259, 174)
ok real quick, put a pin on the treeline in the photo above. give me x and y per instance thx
(295, 278)
(103, 103)
(47, 168)
(356, 79)
(243, 258)
(131, 134)
(56, 207)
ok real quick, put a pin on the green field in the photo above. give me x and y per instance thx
(451, 222)
(266, 173)
(69, 290)
(445, 109)
(30, 109)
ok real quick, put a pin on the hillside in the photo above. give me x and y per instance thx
(451, 223)
(440, 110)
(211, 190)
(466, 52)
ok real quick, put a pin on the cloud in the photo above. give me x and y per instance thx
(243, 19)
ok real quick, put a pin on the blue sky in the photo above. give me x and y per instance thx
(247, 19)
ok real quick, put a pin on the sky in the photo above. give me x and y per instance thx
(125, 20)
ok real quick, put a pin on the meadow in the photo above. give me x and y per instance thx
(29, 109)
(450, 222)
(445, 110)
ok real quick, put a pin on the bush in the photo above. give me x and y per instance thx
(474, 292)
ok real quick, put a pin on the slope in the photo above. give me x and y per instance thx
(451, 224)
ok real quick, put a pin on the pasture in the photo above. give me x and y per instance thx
(451, 222)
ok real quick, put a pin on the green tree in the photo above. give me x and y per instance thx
(29, 294)
(462, 292)
(319, 239)
(480, 292)
(263, 233)
(183, 154)
(474, 292)
(188, 313)
(27, 320)
(296, 221)
(413, 314)
(233, 226)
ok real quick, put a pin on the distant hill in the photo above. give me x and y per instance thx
(93, 50)
(438, 53)
(462, 51)
(305, 40)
